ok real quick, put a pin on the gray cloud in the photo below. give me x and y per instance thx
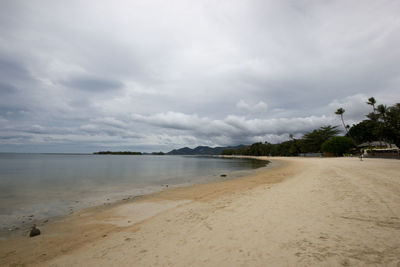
(93, 84)
(233, 127)
(12, 70)
(74, 78)
(7, 89)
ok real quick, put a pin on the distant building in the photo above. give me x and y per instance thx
(379, 149)
(376, 144)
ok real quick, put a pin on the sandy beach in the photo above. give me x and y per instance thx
(295, 212)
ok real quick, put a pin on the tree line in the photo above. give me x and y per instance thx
(117, 153)
(382, 124)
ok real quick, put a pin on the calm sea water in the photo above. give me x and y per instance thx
(47, 185)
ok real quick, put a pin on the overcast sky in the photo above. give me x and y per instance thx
(83, 76)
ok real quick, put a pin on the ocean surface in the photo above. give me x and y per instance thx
(38, 186)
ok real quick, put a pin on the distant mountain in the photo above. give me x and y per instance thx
(201, 150)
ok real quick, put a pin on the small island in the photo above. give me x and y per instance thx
(158, 153)
(117, 153)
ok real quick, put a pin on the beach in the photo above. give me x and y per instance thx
(295, 212)
(36, 187)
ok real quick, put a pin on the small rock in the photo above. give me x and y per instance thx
(223, 175)
(45, 221)
(34, 231)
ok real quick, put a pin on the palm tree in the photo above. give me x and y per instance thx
(382, 112)
(374, 117)
(340, 112)
(372, 102)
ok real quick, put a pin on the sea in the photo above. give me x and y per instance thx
(34, 187)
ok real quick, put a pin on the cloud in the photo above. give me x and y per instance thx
(355, 107)
(3, 120)
(205, 72)
(11, 70)
(174, 120)
(259, 107)
(233, 127)
(93, 84)
(7, 89)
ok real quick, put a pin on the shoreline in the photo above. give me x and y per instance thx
(23, 223)
(307, 211)
(174, 193)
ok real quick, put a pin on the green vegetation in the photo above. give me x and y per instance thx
(313, 141)
(310, 143)
(158, 153)
(229, 151)
(382, 124)
(117, 153)
(364, 132)
(338, 145)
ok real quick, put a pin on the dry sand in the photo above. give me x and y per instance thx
(304, 212)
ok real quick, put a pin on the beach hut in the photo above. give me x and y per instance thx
(376, 144)
(379, 149)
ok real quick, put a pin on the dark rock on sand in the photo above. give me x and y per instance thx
(34, 231)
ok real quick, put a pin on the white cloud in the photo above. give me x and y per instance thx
(244, 106)
(233, 127)
(174, 120)
(355, 107)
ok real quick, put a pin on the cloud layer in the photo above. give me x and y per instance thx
(79, 76)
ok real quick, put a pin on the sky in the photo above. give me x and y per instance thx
(153, 75)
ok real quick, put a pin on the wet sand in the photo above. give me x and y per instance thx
(296, 212)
